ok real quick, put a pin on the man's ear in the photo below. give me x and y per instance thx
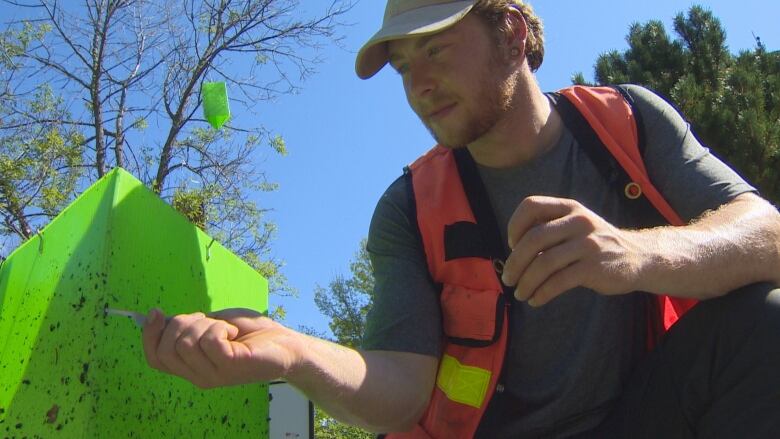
(515, 33)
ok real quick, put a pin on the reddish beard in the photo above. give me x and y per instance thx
(491, 101)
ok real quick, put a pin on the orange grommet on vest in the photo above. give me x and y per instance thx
(633, 190)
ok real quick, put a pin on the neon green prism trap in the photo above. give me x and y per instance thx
(68, 371)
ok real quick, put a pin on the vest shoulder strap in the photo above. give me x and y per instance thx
(606, 116)
(609, 114)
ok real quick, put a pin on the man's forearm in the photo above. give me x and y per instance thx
(380, 391)
(736, 245)
(377, 391)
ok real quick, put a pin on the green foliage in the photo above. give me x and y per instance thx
(39, 162)
(140, 124)
(326, 427)
(732, 101)
(346, 302)
(14, 44)
(192, 204)
(279, 145)
(277, 313)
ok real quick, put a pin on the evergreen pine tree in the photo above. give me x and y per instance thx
(732, 101)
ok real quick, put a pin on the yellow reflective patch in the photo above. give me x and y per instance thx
(464, 384)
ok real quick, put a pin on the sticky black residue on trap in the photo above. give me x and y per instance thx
(84, 370)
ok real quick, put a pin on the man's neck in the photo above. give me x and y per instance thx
(529, 128)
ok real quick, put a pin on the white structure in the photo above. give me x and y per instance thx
(291, 415)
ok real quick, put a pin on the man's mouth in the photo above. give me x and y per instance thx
(440, 112)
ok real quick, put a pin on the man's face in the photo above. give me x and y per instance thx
(455, 81)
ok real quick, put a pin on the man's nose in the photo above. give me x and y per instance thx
(420, 80)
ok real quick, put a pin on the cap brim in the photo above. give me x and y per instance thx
(416, 22)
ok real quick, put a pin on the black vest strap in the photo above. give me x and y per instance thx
(464, 240)
(640, 123)
(486, 230)
(480, 204)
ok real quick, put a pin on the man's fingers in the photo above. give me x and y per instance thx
(545, 265)
(152, 332)
(542, 238)
(534, 210)
(166, 349)
(555, 285)
(234, 313)
(217, 343)
(189, 350)
(201, 349)
(245, 320)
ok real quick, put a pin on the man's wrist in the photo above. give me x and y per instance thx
(299, 348)
(651, 264)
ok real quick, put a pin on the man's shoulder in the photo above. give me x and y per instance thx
(397, 190)
(638, 93)
(393, 209)
(646, 100)
(398, 193)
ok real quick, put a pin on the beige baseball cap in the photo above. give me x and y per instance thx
(406, 18)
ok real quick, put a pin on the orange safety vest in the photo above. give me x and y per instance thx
(473, 301)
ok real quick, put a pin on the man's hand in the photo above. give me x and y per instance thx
(230, 347)
(558, 244)
(376, 390)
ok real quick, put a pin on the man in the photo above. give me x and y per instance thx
(565, 354)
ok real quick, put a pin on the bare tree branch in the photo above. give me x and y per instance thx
(123, 83)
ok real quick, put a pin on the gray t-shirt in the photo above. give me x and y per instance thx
(567, 361)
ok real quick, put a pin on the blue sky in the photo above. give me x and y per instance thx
(349, 139)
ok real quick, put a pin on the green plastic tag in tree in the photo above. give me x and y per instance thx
(216, 108)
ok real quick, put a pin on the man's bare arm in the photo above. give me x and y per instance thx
(379, 391)
(558, 244)
(735, 245)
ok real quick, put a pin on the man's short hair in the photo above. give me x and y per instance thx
(492, 11)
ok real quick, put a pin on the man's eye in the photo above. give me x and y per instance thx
(401, 68)
(433, 51)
